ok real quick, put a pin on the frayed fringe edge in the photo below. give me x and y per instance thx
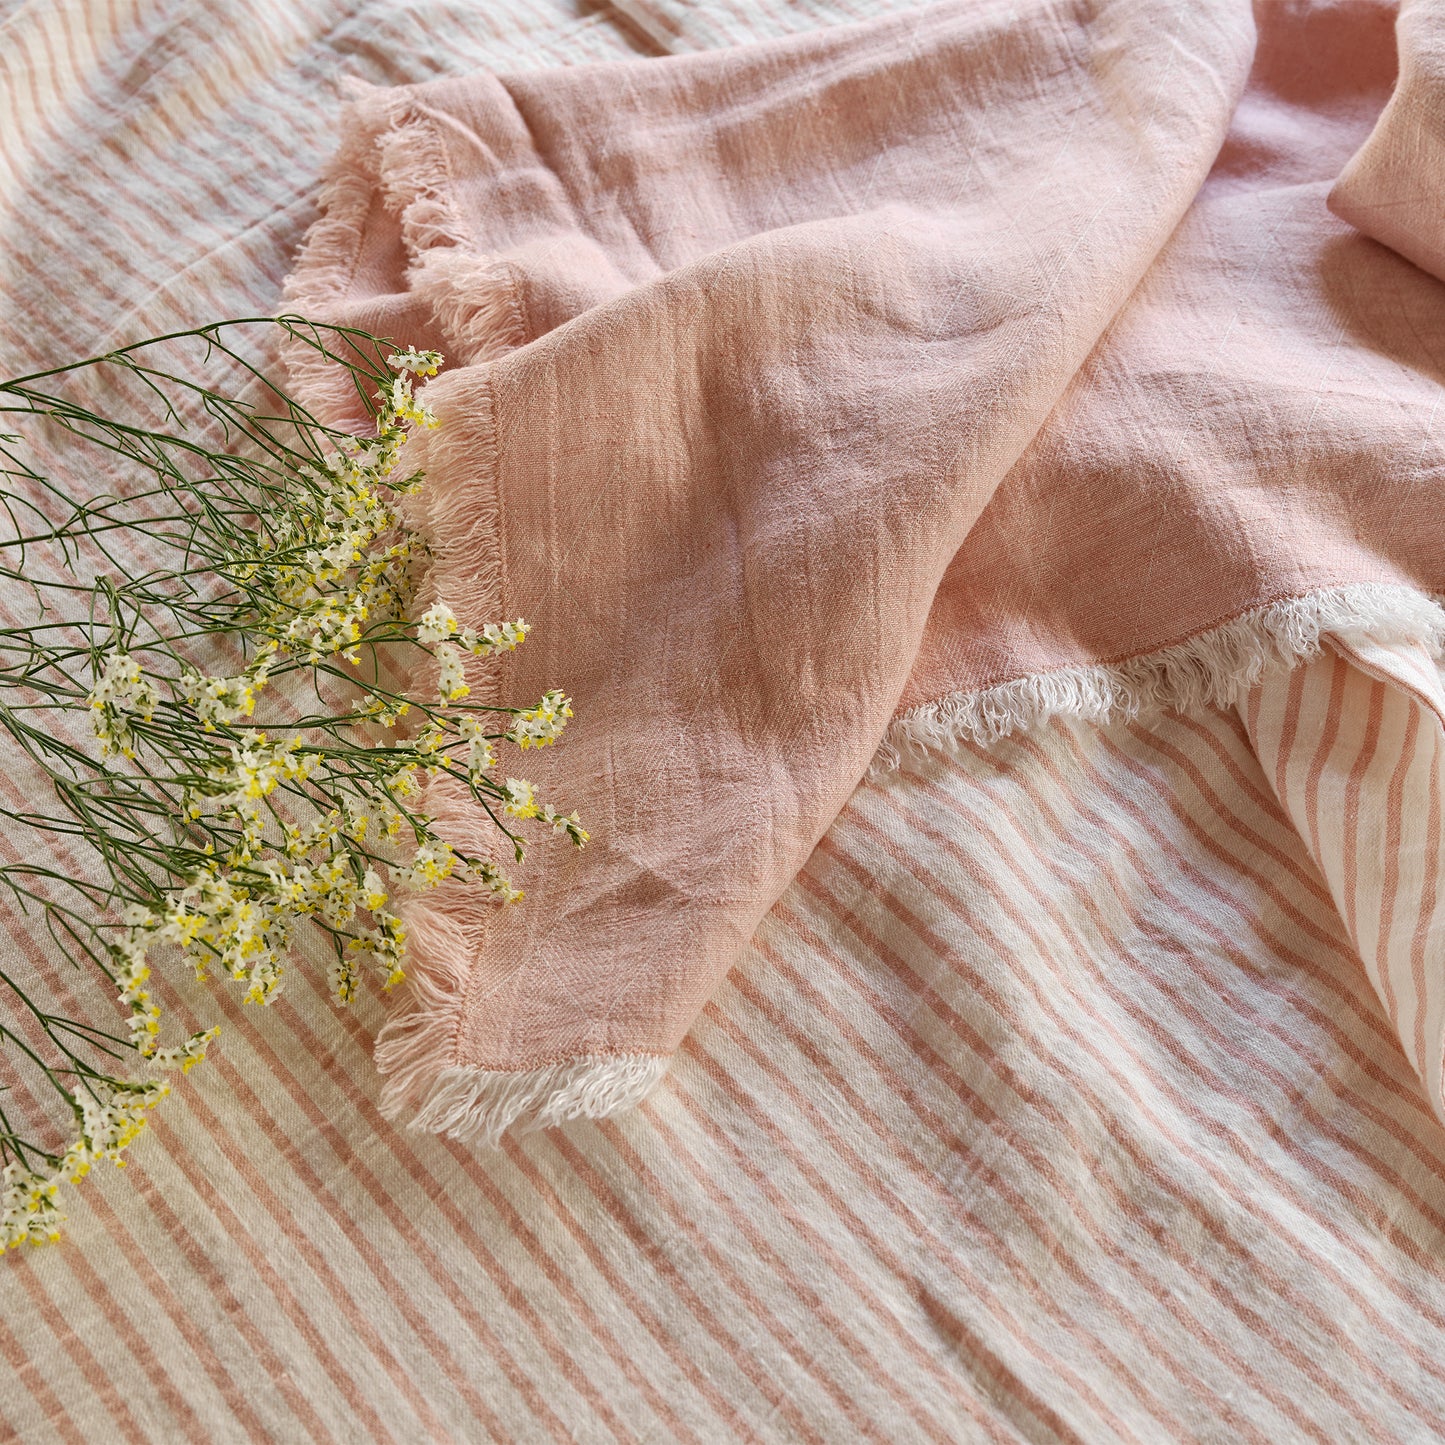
(475, 301)
(470, 1103)
(391, 149)
(1214, 668)
(327, 261)
(481, 1104)
(473, 297)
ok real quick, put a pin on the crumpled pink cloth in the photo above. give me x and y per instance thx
(888, 384)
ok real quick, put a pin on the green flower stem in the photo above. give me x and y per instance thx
(205, 715)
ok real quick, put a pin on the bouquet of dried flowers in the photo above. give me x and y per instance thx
(204, 685)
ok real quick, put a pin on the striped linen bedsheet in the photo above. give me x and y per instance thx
(1080, 1087)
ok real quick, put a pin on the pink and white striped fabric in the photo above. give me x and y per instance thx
(1084, 1086)
(1353, 748)
(1052, 1102)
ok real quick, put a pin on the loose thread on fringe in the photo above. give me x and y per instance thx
(473, 296)
(481, 1105)
(318, 285)
(474, 300)
(391, 149)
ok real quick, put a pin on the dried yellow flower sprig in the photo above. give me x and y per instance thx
(212, 833)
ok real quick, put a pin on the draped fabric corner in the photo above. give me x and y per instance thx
(894, 384)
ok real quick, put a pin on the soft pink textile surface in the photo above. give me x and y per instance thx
(807, 382)
(1394, 189)
(1262, 420)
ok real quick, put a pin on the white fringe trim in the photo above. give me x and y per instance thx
(1214, 668)
(482, 1104)
(416, 1050)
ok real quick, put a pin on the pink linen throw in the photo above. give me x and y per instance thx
(895, 384)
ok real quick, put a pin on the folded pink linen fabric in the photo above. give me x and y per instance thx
(1394, 188)
(893, 384)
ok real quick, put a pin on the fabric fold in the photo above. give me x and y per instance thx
(1353, 744)
(1394, 188)
(855, 377)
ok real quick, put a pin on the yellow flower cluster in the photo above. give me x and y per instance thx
(222, 700)
(543, 724)
(521, 799)
(439, 624)
(481, 755)
(418, 363)
(110, 1114)
(570, 824)
(494, 880)
(320, 824)
(121, 692)
(338, 560)
(387, 945)
(451, 680)
(131, 973)
(432, 862)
